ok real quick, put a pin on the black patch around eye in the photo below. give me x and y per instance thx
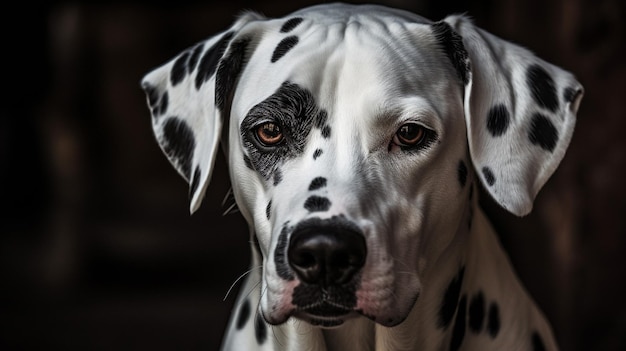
(178, 143)
(317, 183)
(291, 24)
(179, 69)
(458, 333)
(537, 342)
(542, 87)
(244, 315)
(260, 329)
(462, 173)
(317, 153)
(208, 62)
(452, 44)
(317, 204)
(543, 133)
(195, 181)
(280, 255)
(450, 299)
(498, 120)
(283, 47)
(493, 320)
(490, 178)
(163, 103)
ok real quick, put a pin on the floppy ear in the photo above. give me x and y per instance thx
(189, 98)
(520, 111)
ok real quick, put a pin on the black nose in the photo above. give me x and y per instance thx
(326, 255)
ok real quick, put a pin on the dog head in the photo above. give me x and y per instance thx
(352, 135)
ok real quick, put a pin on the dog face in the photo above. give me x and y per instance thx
(352, 133)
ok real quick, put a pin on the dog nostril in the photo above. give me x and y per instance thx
(326, 257)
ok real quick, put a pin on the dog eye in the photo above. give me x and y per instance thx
(410, 134)
(269, 133)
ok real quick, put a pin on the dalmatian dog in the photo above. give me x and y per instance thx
(358, 138)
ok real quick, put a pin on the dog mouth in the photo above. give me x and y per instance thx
(325, 314)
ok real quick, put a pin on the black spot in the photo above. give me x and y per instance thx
(247, 162)
(283, 47)
(151, 93)
(543, 133)
(326, 132)
(498, 120)
(178, 143)
(290, 24)
(179, 69)
(193, 59)
(317, 204)
(477, 312)
(569, 94)
(458, 333)
(228, 73)
(450, 300)
(244, 314)
(278, 176)
(280, 255)
(268, 209)
(462, 173)
(195, 181)
(163, 103)
(493, 321)
(260, 329)
(537, 342)
(452, 44)
(317, 153)
(490, 178)
(208, 62)
(317, 183)
(320, 120)
(542, 87)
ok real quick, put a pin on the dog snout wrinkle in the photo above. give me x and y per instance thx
(325, 255)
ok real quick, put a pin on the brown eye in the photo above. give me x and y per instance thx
(409, 134)
(269, 134)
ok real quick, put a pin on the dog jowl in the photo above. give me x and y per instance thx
(358, 141)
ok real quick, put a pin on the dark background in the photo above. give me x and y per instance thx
(98, 250)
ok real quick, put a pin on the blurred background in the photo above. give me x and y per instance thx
(97, 247)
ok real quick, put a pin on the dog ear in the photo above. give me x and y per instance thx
(520, 111)
(189, 98)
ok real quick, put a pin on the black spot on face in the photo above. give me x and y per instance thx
(542, 87)
(493, 320)
(450, 300)
(317, 204)
(268, 210)
(178, 143)
(280, 255)
(283, 47)
(260, 329)
(543, 133)
(195, 181)
(317, 153)
(244, 314)
(317, 183)
(462, 173)
(498, 120)
(477, 312)
(326, 132)
(452, 44)
(193, 59)
(163, 103)
(290, 24)
(179, 69)
(295, 111)
(278, 177)
(490, 178)
(537, 342)
(208, 62)
(228, 74)
(458, 333)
